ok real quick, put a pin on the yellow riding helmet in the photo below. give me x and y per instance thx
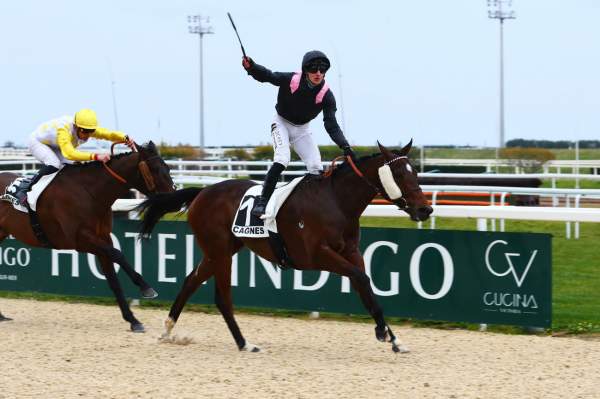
(86, 119)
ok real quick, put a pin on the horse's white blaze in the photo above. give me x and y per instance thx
(408, 167)
(389, 184)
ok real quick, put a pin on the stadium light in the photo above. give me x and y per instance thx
(500, 10)
(199, 25)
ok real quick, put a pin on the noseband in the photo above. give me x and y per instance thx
(142, 167)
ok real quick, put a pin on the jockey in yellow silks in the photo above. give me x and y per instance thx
(55, 142)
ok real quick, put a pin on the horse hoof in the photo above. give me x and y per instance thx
(149, 293)
(400, 349)
(137, 327)
(250, 348)
(4, 318)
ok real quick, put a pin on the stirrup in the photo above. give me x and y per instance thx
(23, 200)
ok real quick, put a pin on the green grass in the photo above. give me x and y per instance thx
(490, 153)
(564, 183)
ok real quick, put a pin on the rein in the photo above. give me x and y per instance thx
(401, 203)
(142, 166)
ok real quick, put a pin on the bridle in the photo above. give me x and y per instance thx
(400, 202)
(142, 166)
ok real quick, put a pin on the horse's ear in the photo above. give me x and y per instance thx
(406, 149)
(387, 154)
(151, 146)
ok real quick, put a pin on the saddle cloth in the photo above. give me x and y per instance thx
(247, 225)
(32, 195)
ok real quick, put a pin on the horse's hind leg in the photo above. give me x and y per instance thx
(225, 305)
(200, 274)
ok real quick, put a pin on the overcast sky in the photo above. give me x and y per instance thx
(426, 69)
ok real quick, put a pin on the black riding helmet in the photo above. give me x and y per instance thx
(314, 56)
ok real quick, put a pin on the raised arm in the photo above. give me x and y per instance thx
(63, 138)
(262, 74)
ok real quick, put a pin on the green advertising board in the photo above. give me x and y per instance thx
(480, 277)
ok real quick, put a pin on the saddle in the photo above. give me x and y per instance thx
(18, 189)
(16, 192)
(247, 225)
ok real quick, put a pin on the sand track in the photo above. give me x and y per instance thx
(60, 350)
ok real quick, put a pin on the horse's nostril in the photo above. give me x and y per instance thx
(426, 210)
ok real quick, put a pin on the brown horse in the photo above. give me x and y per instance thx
(75, 212)
(319, 223)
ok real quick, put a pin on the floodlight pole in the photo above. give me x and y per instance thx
(199, 25)
(499, 9)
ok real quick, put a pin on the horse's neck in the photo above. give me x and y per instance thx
(102, 186)
(354, 193)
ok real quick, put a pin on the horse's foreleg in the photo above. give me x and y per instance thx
(200, 274)
(4, 318)
(117, 257)
(113, 282)
(225, 305)
(353, 268)
(383, 332)
(101, 247)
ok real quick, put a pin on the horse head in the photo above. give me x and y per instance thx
(400, 185)
(153, 171)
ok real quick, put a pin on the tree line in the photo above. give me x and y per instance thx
(523, 143)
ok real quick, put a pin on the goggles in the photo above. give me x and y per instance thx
(313, 67)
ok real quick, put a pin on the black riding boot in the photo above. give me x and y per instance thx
(45, 170)
(268, 188)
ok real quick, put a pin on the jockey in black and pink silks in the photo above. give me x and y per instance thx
(301, 97)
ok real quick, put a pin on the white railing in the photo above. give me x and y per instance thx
(481, 213)
(462, 211)
(491, 164)
(497, 212)
(17, 157)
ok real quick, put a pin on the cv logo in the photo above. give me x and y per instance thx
(510, 268)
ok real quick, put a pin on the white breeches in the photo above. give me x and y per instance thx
(300, 139)
(46, 154)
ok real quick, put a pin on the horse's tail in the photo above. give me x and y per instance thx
(156, 206)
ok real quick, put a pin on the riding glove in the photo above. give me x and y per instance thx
(247, 63)
(349, 152)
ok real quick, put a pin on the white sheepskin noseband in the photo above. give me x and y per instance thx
(388, 182)
(387, 178)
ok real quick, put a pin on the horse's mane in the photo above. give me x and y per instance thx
(345, 166)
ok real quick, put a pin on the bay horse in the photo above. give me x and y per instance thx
(75, 212)
(328, 208)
